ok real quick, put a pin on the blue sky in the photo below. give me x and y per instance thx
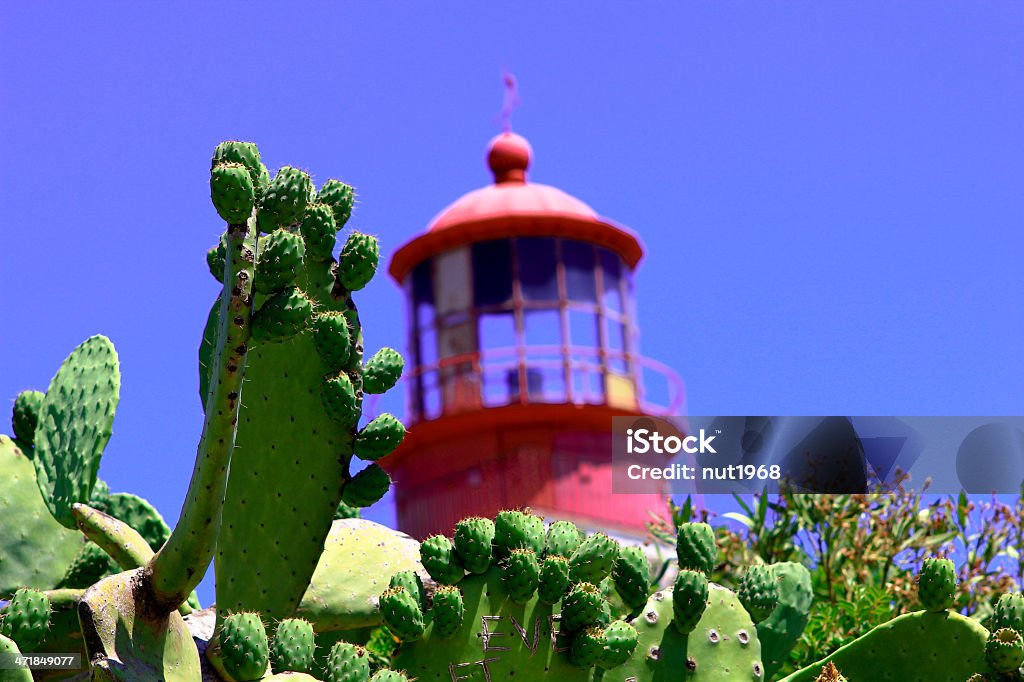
(831, 194)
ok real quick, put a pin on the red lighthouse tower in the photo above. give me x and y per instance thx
(522, 347)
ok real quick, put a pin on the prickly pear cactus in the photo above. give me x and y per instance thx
(936, 584)
(781, 630)
(541, 609)
(37, 550)
(75, 422)
(298, 429)
(26, 619)
(915, 646)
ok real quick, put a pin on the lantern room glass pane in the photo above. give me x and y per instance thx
(543, 328)
(580, 282)
(497, 331)
(537, 268)
(583, 329)
(615, 335)
(611, 277)
(423, 293)
(492, 272)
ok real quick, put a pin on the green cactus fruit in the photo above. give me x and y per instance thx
(689, 600)
(358, 261)
(554, 578)
(345, 511)
(584, 606)
(388, 675)
(447, 611)
(521, 575)
(936, 584)
(366, 487)
(518, 530)
(75, 422)
(402, 614)
(243, 153)
(473, 538)
(26, 619)
(563, 538)
(439, 558)
(759, 592)
(13, 673)
(347, 663)
(341, 402)
(244, 650)
(293, 646)
(411, 582)
(331, 338)
(380, 437)
(282, 316)
(382, 371)
(91, 564)
(26, 415)
(1004, 650)
(587, 647)
(1008, 612)
(279, 258)
(319, 231)
(632, 576)
(620, 640)
(340, 198)
(593, 560)
(232, 192)
(696, 549)
(781, 631)
(285, 199)
(140, 515)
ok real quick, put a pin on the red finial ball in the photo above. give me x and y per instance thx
(509, 156)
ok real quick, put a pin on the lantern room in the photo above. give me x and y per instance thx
(521, 320)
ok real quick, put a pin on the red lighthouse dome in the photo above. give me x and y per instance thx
(522, 348)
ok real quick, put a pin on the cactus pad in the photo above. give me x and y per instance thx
(91, 564)
(139, 514)
(75, 423)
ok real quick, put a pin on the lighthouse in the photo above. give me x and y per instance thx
(522, 347)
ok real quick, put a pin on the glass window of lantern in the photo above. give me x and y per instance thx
(538, 264)
(542, 328)
(423, 293)
(611, 281)
(492, 273)
(580, 282)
